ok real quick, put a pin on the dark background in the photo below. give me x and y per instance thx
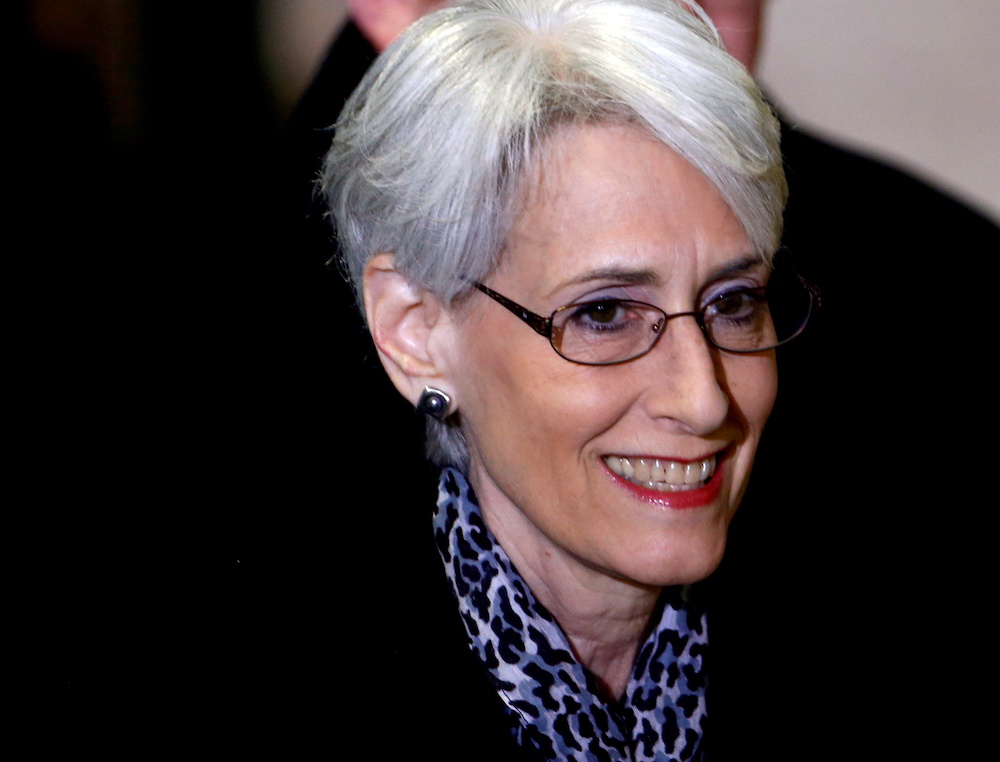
(168, 448)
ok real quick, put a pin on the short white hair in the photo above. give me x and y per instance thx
(430, 150)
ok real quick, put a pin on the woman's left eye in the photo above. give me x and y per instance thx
(736, 304)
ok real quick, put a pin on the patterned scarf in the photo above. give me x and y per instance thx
(552, 699)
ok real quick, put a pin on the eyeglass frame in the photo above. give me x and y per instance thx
(544, 326)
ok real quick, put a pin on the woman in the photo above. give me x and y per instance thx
(561, 217)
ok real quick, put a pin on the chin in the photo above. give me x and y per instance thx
(699, 559)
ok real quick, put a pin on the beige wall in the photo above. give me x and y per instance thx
(917, 81)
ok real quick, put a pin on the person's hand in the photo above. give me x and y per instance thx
(739, 23)
(381, 21)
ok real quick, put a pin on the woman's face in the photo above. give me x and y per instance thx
(612, 213)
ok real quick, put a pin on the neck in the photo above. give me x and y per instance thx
(605, 617)
(605, 620)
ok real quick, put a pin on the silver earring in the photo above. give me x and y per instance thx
(434, 402)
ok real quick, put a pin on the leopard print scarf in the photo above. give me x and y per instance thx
(552, 699)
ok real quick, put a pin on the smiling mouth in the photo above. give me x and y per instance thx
(663, 475)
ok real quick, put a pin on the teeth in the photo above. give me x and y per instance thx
(663, 475)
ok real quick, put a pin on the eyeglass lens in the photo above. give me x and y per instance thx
(744, 320)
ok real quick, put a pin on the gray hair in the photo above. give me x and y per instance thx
(430, 150)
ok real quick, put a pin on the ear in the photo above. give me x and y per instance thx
(406, 323)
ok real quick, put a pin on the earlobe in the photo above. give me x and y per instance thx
(403, 318)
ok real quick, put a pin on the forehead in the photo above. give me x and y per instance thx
(611, 197)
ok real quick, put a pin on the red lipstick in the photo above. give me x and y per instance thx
(691, 498)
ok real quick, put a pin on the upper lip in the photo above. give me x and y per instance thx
(677, 459)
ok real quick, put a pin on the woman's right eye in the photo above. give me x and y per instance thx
(599, 312)
(604, 314)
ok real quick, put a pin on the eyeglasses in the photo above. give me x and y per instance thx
(612, 331)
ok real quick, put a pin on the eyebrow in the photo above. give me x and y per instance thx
(623, 275)
(737, 266)
(629, 277)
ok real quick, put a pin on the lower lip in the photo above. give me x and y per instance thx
(690, 498)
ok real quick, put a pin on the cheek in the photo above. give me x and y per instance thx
(753, 386)
(517, 394)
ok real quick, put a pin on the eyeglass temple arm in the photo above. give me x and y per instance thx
(816, 297)
(539, 324)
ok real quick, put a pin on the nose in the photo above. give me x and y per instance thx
(687, 386)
